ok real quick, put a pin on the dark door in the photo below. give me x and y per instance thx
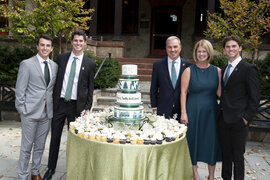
(165, 23)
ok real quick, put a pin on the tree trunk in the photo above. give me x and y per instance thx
(60, 43)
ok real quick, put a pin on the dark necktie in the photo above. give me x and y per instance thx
(227, 75)
(46, 73)
(70, 80)
(173, 74)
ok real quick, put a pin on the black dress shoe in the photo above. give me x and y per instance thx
(48, 174)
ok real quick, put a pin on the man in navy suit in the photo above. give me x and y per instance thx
(238, 104)
(73, 93)
(166, 80)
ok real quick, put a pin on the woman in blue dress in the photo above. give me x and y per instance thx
(201, 81)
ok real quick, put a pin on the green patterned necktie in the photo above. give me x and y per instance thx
(227, 75)
(70, 80)
(46, 73)
(173, 74)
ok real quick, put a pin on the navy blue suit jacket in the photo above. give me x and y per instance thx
(162, 94)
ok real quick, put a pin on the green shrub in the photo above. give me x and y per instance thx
(108, 75)
(10, 59)
(219, 61)
(264, 75)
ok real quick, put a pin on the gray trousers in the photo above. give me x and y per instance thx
(34, 134)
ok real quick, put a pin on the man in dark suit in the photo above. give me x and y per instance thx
(238, 104)
(166, 80)
(73, 92)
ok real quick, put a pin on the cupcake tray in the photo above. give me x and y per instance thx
(140, 122)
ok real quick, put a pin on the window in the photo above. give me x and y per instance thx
(130, 16)
(105, 16)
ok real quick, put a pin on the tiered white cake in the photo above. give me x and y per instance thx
(129, 107)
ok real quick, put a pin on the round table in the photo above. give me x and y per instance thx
(104, 161)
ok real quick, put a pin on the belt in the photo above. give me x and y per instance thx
(67, 101)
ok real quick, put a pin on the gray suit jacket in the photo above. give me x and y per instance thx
(32, 93)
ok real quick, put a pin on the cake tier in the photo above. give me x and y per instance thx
(129, 70)
(128, 85)
(128, 100)
(122, 113)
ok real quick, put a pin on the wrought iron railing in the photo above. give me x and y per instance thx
(108, 55)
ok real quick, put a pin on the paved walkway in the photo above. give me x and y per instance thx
(257, 156)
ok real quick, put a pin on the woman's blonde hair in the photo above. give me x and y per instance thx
(207, 46)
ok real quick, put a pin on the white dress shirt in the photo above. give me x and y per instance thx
(233, 64)
(176, 65)
(42, 65)
(76, 77)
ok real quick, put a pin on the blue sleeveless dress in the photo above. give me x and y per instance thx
(201, 108)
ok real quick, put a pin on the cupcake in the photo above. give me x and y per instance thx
(109, 139)
(103, 137)
(123, 139)
(133, 140)
(146, 140)
(92, 136)
(86, 135)
(140, 140)
(72, 125)
(97, 135)
(81, 133)
(153, 140)
(159, 139)
(116, 139)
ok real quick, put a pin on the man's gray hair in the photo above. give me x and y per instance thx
(171, 38)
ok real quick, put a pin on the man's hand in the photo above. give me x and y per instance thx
(154, 110)
(245, 121)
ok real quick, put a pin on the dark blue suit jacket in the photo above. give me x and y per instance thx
(162, 94)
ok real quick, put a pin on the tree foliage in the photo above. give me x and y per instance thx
(55, 18)
(248, 19)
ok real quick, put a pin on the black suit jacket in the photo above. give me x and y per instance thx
(241, 95)
(162, 94)
(85, 83)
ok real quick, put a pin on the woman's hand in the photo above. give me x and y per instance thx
(184, 118)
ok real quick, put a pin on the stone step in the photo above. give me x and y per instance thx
(138, 60)
(140, 65)
(144, 72)
(146, 78)
(110, 101)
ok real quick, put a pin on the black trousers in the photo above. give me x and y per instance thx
(66, 110)
(233, 141)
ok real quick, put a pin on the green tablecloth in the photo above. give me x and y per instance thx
(92, 160)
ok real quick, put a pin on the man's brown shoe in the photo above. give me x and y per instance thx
(36, 177)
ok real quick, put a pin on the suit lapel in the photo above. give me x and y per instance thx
(222, 75)
(166, 70)
(37, 65)
(234, 73)
(182, 68)
(82, 68)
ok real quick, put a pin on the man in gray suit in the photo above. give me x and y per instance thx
(34, 103)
